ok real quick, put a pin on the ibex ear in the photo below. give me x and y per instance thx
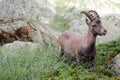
(87, 21)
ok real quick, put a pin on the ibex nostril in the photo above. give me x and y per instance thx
(105, 31)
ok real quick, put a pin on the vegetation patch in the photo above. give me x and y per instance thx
(44, 64)
(60, 23)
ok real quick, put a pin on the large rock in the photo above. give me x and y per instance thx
(41, 10)
(16, 48)
(17, 13)
(43, 34)
(116, 64)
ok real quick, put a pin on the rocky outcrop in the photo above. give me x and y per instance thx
(42, 34)
(40, 10)
(17, 13)
(116, 64)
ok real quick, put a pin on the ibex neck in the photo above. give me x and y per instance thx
(91, 38)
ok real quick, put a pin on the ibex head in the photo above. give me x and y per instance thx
(94, 22)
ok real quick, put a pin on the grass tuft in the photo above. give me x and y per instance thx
(44, 64)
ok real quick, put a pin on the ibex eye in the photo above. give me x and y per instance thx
(98, 21)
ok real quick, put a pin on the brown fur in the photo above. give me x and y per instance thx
(82, 47)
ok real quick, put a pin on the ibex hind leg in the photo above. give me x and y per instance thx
(61, 50)
(61, 53)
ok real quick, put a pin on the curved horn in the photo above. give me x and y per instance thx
(90, 16)
(95, 13)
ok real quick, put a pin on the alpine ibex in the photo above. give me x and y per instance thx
(82, 47)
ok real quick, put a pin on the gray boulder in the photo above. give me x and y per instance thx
(116, 64)
(16, 48)
(41, 10)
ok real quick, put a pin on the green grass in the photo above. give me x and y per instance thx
(59, 23)
(44, 64)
